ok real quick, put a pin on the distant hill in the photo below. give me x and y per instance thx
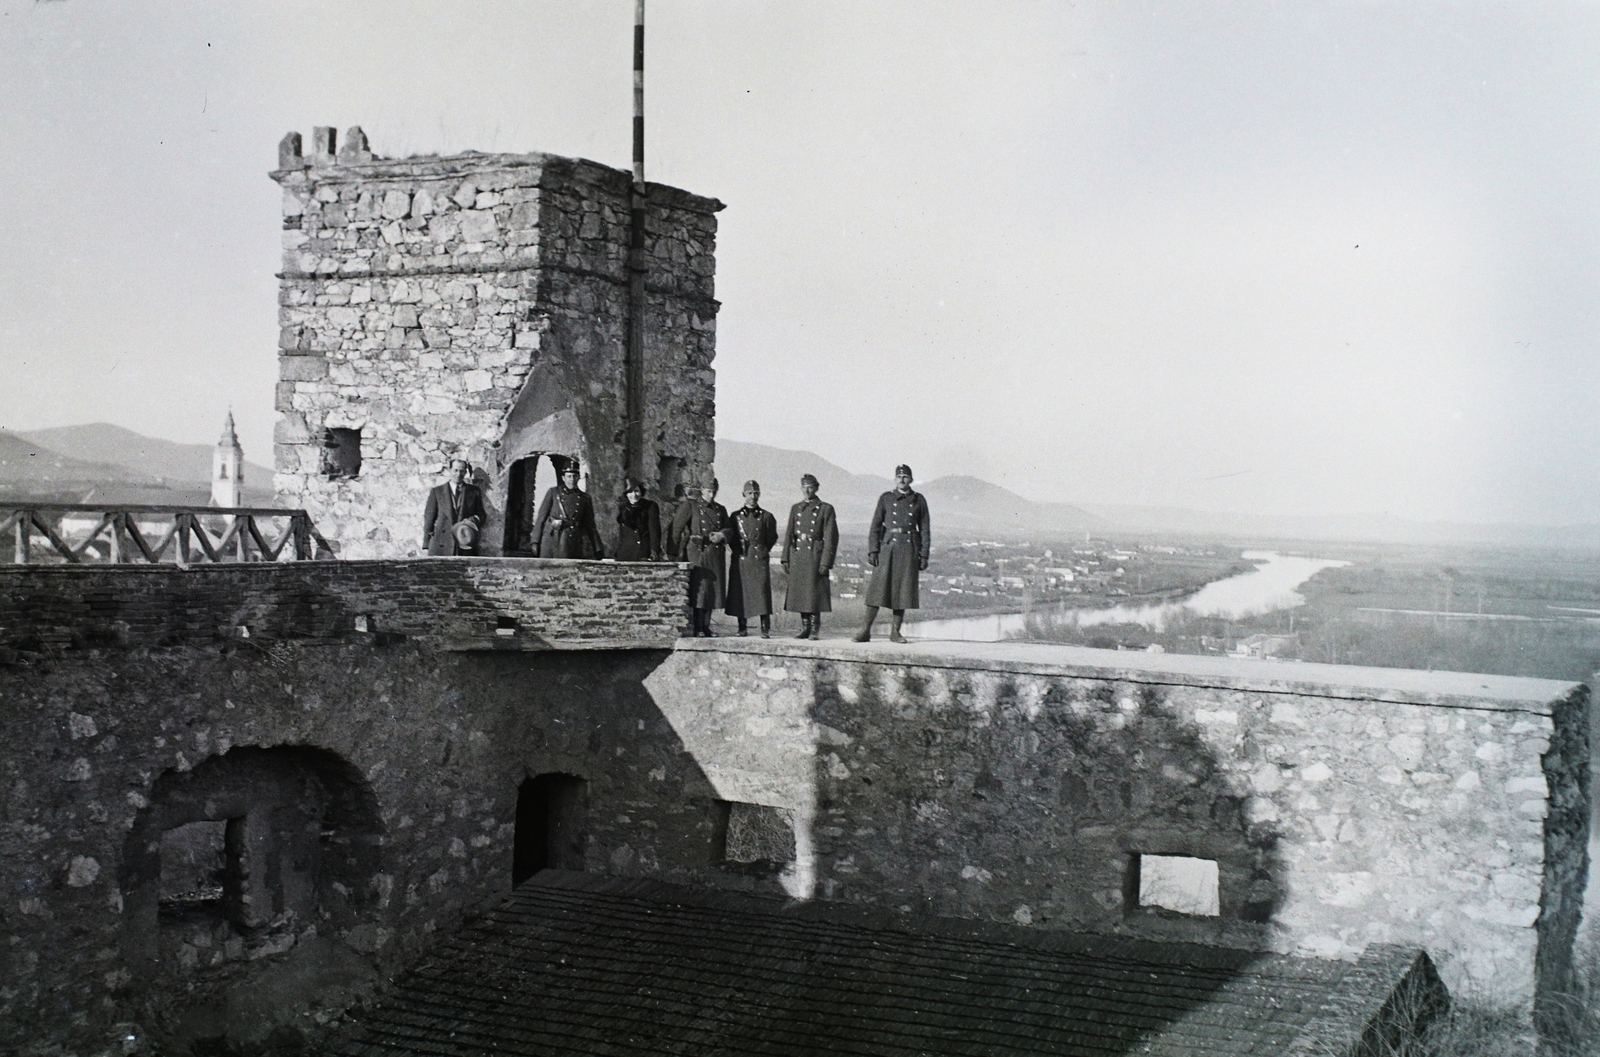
(974, 508)
(779, 471)
(23, 462)
(165, 460)
(101, 463)
(971, 505)
(959, 504)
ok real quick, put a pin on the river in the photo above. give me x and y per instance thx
(1269, 586)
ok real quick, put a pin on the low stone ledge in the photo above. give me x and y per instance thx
(1398, 685)
(451, 603)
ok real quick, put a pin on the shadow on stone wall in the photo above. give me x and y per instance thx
(1031, 799)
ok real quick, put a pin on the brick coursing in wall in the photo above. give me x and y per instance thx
(496, 603)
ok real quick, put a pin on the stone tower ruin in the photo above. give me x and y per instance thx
(478, 305)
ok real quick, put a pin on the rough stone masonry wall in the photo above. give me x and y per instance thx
(433, 744)
(477, 304)
(1344, 807)
(467, 603)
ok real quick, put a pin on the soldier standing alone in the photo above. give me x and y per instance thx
(699, 537)
(752, 534)
(809, 545)
(897, 550)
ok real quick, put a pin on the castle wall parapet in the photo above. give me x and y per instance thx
(456, 603)
(1341, 806)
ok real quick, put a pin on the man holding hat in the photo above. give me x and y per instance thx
(809, 545)
(752, 533)
(897, 550)
(454, 514)
(699, 537)
(564, 527)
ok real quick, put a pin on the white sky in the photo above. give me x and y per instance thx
(1267, 257)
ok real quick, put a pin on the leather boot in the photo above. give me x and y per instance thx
(865, 634)
(894, 630)
(805, 626)
(744, 627)
(816, 625)
(766, 627)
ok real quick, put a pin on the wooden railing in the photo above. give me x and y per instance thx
(89, 533)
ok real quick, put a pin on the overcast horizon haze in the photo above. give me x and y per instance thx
(1324, 258)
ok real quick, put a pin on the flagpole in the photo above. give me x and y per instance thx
(633, 360)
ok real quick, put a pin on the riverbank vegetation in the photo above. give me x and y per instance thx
(1499, 611)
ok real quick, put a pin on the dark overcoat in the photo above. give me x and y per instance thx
(564, 527)
(751, 536)
(638, 531)
(442, 511)
(691, 542)
(897, 544)
(809, 545)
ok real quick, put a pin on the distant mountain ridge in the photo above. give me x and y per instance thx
(964, 505)
(102, 463)
(970, 506)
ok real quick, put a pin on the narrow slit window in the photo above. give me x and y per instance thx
(1180, 884)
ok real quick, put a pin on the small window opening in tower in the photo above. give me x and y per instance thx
(194, 871)
(1178, 883)
(341, 453)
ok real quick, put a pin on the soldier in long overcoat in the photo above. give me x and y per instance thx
(699, 537)
(810, 543)
(638, 526)
(897, 550)
(752, 534)
(564, 527)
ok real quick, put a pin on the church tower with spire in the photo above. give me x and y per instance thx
(227, 467)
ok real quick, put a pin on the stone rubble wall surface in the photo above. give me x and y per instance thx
(477, 305)
(441, 739)
(1336, 821)
(464, 602)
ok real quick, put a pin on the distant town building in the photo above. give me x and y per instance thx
(227, 467)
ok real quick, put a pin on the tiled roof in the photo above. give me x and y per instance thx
(573, 964)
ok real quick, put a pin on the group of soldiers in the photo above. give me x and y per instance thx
(729, 554)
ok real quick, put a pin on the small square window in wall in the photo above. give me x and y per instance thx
(341, 453)
(1180, 884)
(759, 834)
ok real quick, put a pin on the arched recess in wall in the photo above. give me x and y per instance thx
(541, 422)
(238, 856)
(551, 826)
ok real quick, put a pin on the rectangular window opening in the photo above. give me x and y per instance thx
(1179, 883)
(757, 834)
(194, 863)
(341, 453)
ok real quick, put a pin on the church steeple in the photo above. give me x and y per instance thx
(227, 467)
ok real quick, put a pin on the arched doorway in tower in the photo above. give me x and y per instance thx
(550, 830)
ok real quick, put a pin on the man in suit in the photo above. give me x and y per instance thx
(900, 534)
(752, 533)
(699, 536)
(809, 545)
(565, 525)
(451, 505)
